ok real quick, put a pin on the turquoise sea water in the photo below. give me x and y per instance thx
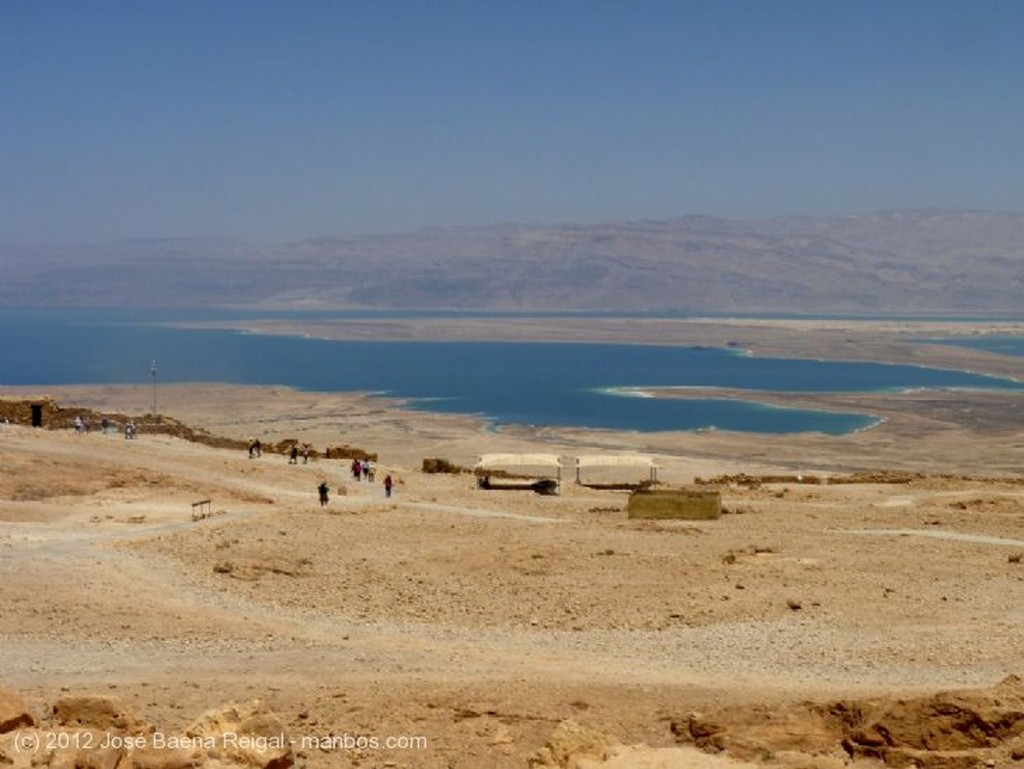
(561, 384)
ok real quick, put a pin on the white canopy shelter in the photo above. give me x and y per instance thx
(496, 461)
(616, 460)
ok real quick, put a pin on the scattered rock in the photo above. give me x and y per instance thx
(502, 736)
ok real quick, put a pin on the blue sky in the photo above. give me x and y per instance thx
(283, 120)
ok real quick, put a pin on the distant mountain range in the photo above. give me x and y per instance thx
(904, 261)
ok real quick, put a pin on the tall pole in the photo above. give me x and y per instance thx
(152, 372)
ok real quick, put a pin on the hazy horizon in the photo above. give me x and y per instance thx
(269, 121)
(427, 230)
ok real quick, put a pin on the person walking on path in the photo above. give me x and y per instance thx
(322, 489)
(305, 453)
(293, 455)
(388, 483)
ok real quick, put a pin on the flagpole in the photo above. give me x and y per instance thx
(152, 371)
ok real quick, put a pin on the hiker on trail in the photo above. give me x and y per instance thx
(293, 455)
(369, 469)
(252, 448)
(366, 469)
(357, 469)
(259, 447)
(322, 488)
(305, 453)
(388, 483)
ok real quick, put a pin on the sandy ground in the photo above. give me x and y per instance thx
(481, 620)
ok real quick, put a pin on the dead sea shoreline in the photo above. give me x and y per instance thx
(912, 429)
(882, 341)
(992, 413)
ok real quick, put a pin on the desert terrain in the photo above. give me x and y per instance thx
(859, 600)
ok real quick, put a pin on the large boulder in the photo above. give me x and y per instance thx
(572, 746)
(750, 731)
(97, 711)
(13, 712)
(92, 757)
(93, 729)
(947, 721)
(570, 743)
(243, 735)
(949, 730)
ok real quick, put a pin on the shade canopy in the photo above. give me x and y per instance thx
(621, 460)
(519, 460)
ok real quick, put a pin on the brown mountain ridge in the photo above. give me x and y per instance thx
(904, 261)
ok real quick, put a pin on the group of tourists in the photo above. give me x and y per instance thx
(82, 426)
(324, 490)
(293, 454)
(363, 470)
